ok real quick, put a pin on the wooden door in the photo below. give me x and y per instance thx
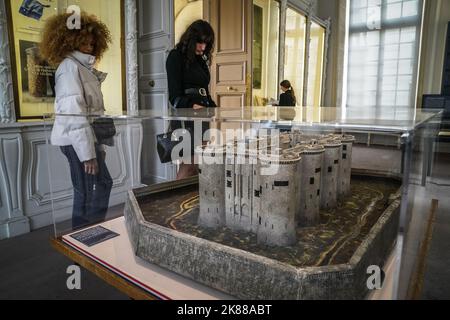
(232, 69)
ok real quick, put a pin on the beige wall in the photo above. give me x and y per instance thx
(108, 11)
(437, 16)
(185, 14)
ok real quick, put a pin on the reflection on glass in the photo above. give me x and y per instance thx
(295, 51)
(35, 78)
(316, 60)
(266, 22)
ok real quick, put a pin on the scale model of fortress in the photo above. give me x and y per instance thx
(313, 173)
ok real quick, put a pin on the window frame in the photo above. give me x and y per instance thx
(310, 18)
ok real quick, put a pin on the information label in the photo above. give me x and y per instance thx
(93, 236)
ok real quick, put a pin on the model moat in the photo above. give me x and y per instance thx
(279, 217)
(332, 241)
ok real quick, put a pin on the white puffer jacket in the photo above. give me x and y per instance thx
(78, 94)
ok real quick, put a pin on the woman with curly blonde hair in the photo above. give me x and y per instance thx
(78, 100)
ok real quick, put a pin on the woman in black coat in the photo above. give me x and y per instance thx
(188, 77)
(287, 98)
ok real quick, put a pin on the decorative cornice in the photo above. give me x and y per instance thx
(312, 6)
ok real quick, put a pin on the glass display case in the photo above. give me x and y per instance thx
(248, 203)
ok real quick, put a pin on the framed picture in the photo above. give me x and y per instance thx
(33, 77)
(38, 77)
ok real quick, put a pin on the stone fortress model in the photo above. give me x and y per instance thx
(314, 172)
(255, 234)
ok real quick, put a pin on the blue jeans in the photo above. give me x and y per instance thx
(91, 193)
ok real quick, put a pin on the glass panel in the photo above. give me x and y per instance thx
(316, 61)
(295, 52)
(35, 77)
(318, 189)
(266, 25)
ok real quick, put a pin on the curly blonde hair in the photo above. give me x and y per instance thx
(58, 41)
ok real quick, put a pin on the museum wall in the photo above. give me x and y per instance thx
(25, 189)
(25, 161)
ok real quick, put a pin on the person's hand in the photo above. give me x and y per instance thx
(197, 107)
(91, 167)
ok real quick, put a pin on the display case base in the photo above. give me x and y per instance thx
(329, 261)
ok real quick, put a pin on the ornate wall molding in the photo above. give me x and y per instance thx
(309, 7)
(135, 141)
(6, 87)
(37, 180)
(131, 47)
(120, 175)
(11, 161)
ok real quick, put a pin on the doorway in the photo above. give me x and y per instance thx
(185, 13)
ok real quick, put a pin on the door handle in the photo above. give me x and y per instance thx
(232, 89)
(151, 83)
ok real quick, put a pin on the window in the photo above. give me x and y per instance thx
(316, 62)
(266, 57)
(294, 62)
(281, 184)
(35, 78)
(383, 55)
(265, 51)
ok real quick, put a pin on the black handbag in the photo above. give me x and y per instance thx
(104, 128)
(166, 142)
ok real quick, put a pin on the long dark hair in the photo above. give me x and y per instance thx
(287, 84)
(198, 32)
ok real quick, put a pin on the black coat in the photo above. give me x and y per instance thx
(286, 99)
(182, 76)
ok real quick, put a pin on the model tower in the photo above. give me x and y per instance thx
(276, 225)
(344, 187)
(330, 172)
(308, 211)
(211, 185)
